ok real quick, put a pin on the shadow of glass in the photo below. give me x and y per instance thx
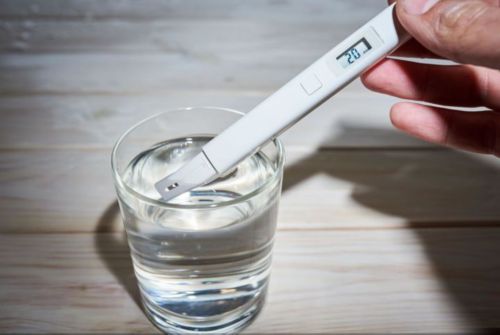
(450, 200)
(113, 250)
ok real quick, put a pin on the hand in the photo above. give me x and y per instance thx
(467, 32)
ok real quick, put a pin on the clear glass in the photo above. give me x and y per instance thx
(202, 261)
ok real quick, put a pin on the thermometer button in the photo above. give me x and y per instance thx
(311, 84)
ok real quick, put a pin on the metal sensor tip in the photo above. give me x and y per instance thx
(194, 173)
(171, 187)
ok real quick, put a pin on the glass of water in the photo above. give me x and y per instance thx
(202, 260)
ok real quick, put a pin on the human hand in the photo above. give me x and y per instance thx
(467, 32)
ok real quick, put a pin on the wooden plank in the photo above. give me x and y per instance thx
(70, 190)
(236, 67)
(108, 73)
(355, 118)
(256, 50)
(433, 281)
(75, 74)
(241, 36)
(186, 9)
(145, 73)
(300, 35)
(72, 290)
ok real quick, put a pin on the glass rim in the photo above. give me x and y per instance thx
(120, 183)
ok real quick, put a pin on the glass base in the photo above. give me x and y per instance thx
(228, 323)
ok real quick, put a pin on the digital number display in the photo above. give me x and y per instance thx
(354, 53)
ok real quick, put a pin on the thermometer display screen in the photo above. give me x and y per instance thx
(354, 53)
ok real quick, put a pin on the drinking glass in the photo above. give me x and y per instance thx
(202, 260)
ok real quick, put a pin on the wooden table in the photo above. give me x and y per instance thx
(377, 232)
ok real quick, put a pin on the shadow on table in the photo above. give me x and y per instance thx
(114, 252)
(465, 259)
(467, 265)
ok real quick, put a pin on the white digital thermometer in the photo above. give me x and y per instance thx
(301, 95)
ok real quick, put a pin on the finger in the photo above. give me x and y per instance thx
(473, 131)
(448, 85)
(461, 85)
(413, 48)
(463, 31)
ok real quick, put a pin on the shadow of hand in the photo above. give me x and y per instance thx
(450, 200)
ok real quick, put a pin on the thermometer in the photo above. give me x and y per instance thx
(301, 95)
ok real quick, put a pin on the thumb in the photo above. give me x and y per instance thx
(465, 31)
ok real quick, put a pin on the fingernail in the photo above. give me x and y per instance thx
(417, 7)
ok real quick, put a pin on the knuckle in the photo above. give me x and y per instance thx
(455, 23)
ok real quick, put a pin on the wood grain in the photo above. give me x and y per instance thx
(69, 190)
(146, 10)
(299, 34)
(356, 118)
(329, 282)
(93, 73)
(228, 45)
(377, 233)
